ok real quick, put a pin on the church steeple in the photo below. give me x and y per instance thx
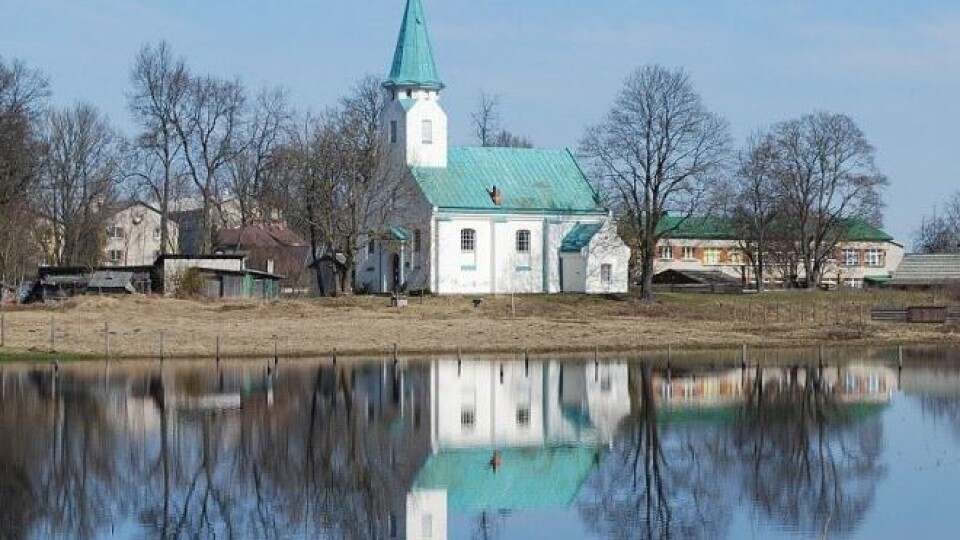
(413, 62)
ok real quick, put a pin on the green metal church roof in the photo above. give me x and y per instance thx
(529, 179)
(528, 478)
(579, 237)
(413, 63)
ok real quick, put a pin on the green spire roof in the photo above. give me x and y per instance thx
(413, 63)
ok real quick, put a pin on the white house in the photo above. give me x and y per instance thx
(482, 220)
(133, 236)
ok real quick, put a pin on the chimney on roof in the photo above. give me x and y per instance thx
(496, 195)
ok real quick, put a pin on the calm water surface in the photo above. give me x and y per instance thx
(483, 449)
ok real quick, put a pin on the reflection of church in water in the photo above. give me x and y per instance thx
(508, 436)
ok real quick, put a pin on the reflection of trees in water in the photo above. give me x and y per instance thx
(944, 409)
(57, 464)
(320, 463)
(658, 482)
(804, 460)
(325, 467)
(809, 463)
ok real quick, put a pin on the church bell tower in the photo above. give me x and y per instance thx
(415, 126)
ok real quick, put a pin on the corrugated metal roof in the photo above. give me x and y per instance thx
(923, 269)
(579, 237)
(400, 234)
(530, 180)
(413, 62)
(519, 482)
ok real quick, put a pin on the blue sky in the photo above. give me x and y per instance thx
(894, 66)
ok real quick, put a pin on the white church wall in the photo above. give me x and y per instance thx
(606, 248)
(495, 266)
(426, 515)
(478, 410)
(426, 147)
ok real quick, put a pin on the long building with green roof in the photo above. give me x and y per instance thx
(707, 251)
(481, 220)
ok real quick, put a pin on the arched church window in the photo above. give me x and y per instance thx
(523, 241)
(468, 240)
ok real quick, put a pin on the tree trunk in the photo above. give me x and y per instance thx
(646, 268)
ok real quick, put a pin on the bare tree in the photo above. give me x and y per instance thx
(79, 183)
(940, 231)
(341, 189)
(160, 83)
(826, 173)
(255, 167)
(756, 205)
(486, 125)
(486, 119)
(208, 123)
(23, 93)
(658, 150)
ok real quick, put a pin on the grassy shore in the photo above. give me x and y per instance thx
(540, 323)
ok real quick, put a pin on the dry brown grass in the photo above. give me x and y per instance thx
(363, 325)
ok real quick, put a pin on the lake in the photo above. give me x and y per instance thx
(486, 448)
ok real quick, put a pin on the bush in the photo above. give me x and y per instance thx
(189, 283)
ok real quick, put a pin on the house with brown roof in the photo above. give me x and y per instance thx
(273, 249)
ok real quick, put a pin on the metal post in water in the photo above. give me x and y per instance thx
(899, 356)
(276, 357)
(218, 348)
(161, 345)
(334, 356)
(106, 339)
(743, 355)
(820, 356)
(501, 373)
(395, 355)
(53, 342)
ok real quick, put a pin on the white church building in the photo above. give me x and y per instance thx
(482, 220)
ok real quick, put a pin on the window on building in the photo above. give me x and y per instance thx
(468, 240)
(426, 526)
(468, 418)
(735, 256)
(428, 132)
(665, 252)
(689, 253)
(606, 273)
(523, 415)
(711, 256)
(115, 255)
(115, 232)
(851, 257)
(873, 257)
(523, 241)
(416, 240)
(372, 247)
(393, 132)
